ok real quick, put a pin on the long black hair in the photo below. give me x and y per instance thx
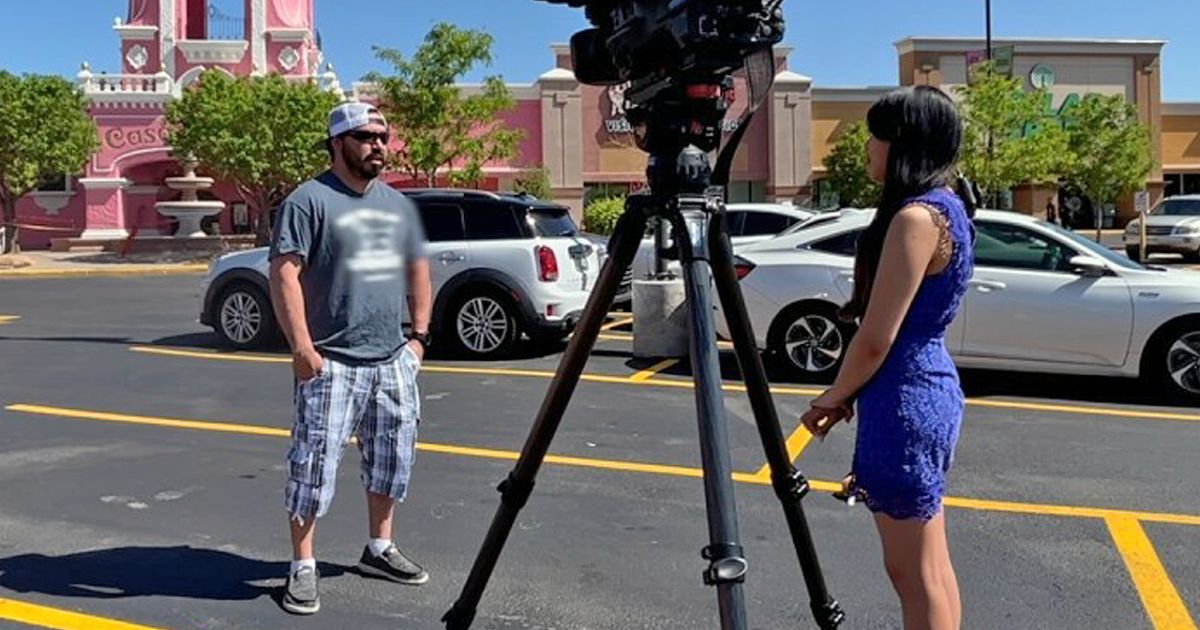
(924, 130)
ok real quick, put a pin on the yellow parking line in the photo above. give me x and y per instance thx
(1085, 409)
(211, 355)
(1163, 603)
(724, 345)
(651, 371)
(796, 443)
(661, 469)
(624, 321)
(82, 414)
(681, 383)
(8, 319)
(46, 617)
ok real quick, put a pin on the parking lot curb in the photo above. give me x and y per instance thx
(93, 272)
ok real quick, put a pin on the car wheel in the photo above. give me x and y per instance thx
(1173, 360)
(809, 341)
(483, 324)
(1134, 253)
(1192, 257)
(244, 319)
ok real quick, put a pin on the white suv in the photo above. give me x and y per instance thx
(501, 266)
(1172, 227)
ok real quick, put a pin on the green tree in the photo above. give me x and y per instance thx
(846, 169)
(600, 216)
(1010, 136)
(535, 182)
(437, 124)
(261, 133)
(45, 132)
(1111, 148)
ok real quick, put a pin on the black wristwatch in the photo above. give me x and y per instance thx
(421, 338)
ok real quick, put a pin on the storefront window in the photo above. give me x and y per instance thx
(824, 196)
(747, 192)
(1182, 184)
(61, 183)
(1174, 183)
(1191, 184)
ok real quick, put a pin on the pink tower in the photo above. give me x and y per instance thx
(184, 37)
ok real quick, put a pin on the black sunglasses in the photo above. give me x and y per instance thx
(367, 137)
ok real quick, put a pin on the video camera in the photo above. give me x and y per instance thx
(654, 44)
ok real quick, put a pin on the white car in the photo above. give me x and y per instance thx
(1172, 227)
(501, 266)
(1042, 300)
(748, 223)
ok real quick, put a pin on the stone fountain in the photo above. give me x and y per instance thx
(190, 210)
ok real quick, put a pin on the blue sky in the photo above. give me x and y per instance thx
(844, 43)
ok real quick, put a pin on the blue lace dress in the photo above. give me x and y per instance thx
(910, 412)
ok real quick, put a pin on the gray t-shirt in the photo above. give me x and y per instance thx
(356, 250)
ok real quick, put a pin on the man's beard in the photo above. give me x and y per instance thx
(363, 167)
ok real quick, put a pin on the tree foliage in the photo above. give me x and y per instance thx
(600, 216)
(263, 134)
(45, 132)
(440, 126)
(535, 182)
(1010, 138)
(846, 169)
(1111, 148)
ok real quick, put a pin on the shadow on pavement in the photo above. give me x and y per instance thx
(182, 571)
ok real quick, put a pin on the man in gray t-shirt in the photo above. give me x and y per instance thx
(347, 253)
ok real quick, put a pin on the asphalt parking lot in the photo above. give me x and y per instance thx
(142, 477)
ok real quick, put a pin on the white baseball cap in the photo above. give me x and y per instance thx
(351, 116)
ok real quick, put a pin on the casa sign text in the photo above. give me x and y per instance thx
(121, 138)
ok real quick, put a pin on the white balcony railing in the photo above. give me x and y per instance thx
(161, 88)
(129, 88)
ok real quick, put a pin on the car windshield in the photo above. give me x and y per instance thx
(1178, 208)
(550, 222)
(1092, 247)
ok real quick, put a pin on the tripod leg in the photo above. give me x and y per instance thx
(790, 485)
(516, 489)
(727, 568)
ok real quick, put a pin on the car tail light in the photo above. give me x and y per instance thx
(547, 264)
(742, 267)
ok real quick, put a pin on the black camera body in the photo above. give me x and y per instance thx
(655, 44)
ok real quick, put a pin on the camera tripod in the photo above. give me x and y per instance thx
(680, 183)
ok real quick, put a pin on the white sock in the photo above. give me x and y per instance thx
(379, 545)
(300, 564)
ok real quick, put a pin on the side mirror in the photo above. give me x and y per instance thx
(1090, 267)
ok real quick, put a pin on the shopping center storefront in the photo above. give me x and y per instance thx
(1070, 70)
(577, 132)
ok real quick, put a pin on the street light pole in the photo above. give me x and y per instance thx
(988, 10)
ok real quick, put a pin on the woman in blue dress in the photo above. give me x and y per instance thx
(912, 268)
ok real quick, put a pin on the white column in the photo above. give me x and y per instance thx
(258, 36)
(166, 33)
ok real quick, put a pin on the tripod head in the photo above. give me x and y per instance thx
(678, 57)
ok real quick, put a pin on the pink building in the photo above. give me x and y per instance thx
(577, 132)
(165, 46)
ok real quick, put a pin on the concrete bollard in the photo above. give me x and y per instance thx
(660, 319)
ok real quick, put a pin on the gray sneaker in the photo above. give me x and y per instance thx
(300, 595)
(392, 565)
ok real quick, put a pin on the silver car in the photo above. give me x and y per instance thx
(1172, 227)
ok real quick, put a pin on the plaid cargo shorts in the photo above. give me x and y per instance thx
(379, 404)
